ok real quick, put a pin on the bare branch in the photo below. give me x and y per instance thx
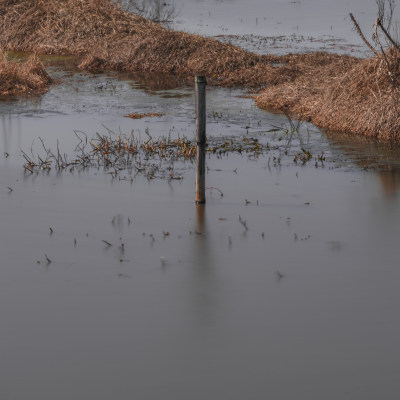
(376, 38)
(396, 45)
(384, 15)
(357, 27)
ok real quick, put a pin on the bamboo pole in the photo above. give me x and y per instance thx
(201, 140)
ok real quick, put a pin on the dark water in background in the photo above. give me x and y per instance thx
(303, 24)
(274, 17)
(196, 315)
(278, 26)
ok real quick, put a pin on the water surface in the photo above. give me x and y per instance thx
(302, 304)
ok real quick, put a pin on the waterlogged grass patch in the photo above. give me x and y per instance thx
(167, 157)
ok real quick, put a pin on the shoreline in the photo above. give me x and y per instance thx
(337, 92)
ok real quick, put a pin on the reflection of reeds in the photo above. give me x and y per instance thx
(390, 181)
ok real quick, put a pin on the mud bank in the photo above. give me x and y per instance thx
(336, 92)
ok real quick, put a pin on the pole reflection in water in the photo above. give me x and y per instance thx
(201, 217)
(10, 129)
(204, 281)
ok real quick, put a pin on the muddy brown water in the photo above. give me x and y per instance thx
(301, 305)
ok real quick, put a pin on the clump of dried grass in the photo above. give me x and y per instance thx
(107, 37)
(348, 95)
(17, 78)
(66, 26)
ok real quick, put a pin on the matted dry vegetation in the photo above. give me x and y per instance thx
(17, 78)
(108, 37)
(347, 95)
(337, 92)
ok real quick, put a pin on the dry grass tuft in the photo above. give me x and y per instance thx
(25, 78)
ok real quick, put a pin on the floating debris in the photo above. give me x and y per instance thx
(243, 223)
(143, 115)
(279, 274)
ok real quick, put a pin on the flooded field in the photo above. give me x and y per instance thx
(279, 26)
(114, 284)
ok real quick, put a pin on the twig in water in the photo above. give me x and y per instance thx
(244, 223)
(396, 45)
(107, 243)
(279, 274)
(376, 38)
(123, 275)
(214, 188)
(357, 28)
